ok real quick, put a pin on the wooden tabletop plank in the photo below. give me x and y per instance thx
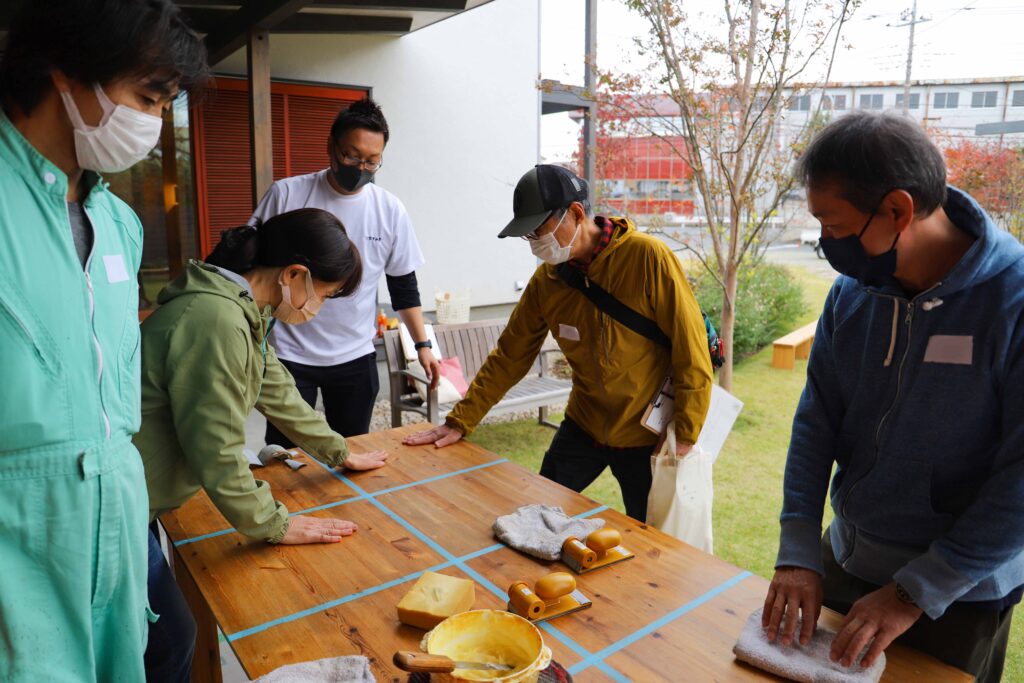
(408, 464)
(300, 489)
(459, 512)
(248, 583)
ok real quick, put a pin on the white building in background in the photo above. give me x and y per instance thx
(462, 102)
(950, 108)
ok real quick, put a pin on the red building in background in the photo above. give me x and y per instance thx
(640, 165)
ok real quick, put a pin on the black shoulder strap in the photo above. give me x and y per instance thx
(637, 322)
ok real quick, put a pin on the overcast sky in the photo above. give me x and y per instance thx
(961, 39)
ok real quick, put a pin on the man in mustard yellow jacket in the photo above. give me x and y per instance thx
(615, 371)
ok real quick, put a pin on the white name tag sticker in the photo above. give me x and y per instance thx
(116, 272)
(948, 348)
(568, 332)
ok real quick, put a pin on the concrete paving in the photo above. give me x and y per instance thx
(790, 254)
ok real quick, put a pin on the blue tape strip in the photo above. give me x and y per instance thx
(376, 589)
(590, 513)
(328, 605)
(363, 495)
(598, 657)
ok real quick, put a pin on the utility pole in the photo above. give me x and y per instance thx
(909, 18)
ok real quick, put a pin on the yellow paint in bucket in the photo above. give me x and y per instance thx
(490, 636)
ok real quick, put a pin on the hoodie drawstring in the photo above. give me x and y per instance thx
(892, 338)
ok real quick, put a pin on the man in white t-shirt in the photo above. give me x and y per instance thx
(334, 352)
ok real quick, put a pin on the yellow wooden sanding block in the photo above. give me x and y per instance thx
(552, 596)
(434, 598)
(600, 550)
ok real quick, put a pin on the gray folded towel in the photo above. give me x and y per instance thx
(804, 663)
(540, 530)
(353, 669)
(274, 452)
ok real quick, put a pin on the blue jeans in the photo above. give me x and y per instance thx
(172, 638)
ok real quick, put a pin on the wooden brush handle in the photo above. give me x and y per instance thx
(421, 661)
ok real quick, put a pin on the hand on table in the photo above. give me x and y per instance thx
(431, 366)
(366, 461)
(793, 591)
(304, 529)
(878, 618)
(440, 436)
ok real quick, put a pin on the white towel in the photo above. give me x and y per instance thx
(540, 530)
(805, 663)
(353, 669)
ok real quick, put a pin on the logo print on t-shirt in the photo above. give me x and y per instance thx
(375, 238)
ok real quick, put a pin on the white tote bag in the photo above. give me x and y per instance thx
(681, 493)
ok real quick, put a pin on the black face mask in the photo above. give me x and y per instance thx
(847, 255)
(351, 178)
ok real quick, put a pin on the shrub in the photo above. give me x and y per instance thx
(769, 301)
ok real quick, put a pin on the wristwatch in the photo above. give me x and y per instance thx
(423, 345)
(904, 596)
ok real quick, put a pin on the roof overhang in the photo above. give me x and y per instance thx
(226, 23)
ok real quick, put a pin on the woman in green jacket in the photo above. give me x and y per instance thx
(206, 365)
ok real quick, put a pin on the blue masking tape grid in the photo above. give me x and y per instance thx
(362, 496)
(569, 642)
(589, 659)
(370, 591)
(654, 626)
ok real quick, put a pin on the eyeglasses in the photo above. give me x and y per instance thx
(370, 166)
(532, 236)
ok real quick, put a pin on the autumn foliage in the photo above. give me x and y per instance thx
(994, 175)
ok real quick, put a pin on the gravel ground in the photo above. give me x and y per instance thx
(382, 416)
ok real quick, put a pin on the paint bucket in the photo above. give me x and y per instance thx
(488, 635)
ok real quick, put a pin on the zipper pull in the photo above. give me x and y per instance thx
(910, 313)
(586, 281)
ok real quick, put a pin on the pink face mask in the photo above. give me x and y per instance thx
(286, 311)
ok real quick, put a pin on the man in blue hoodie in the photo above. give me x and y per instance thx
(915, 392)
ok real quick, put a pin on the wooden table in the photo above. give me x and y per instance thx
(671, 614)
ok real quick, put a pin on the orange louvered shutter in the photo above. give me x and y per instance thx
(301, 117)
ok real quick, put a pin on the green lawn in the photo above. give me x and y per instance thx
(748, 474)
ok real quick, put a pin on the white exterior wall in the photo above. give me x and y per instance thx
(462, 103)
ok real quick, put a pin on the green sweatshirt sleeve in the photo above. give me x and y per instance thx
(518, 346)
(206, 367)
(284, 406)
(678, 313)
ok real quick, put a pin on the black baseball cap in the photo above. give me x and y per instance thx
(541, 190)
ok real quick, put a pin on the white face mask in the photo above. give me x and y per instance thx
(124, 137)
(286, 311)
(547, 248)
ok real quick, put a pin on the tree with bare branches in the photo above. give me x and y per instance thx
(729, 74)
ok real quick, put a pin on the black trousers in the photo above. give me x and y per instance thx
(970, 637)
(349, 391)
(575, 460)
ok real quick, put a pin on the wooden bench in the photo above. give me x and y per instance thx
(471, 343)
(796, 344)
